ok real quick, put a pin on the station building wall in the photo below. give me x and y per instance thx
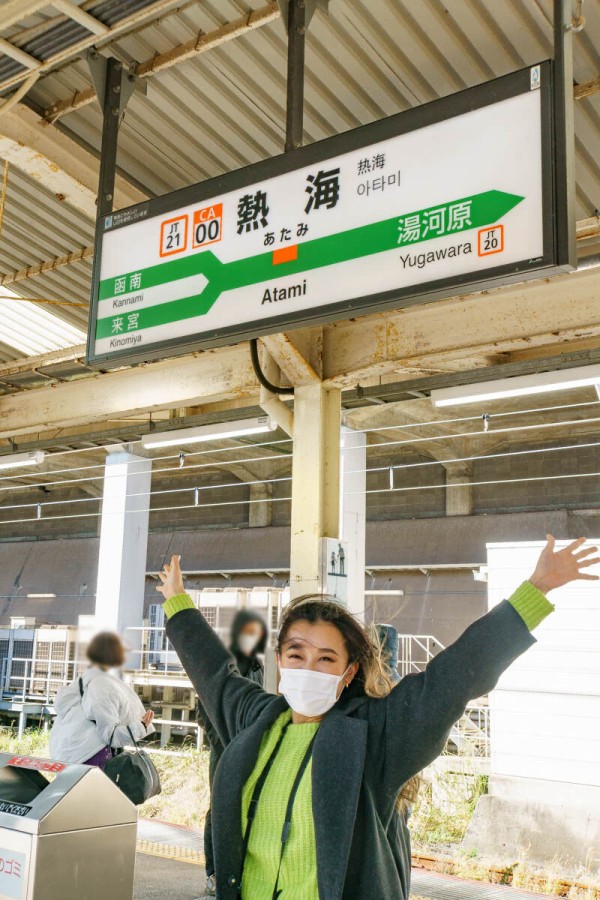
(419, 557)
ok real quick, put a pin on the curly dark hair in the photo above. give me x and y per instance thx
(362, 645)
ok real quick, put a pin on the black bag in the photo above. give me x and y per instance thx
(134, 773)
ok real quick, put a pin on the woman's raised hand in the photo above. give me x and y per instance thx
(555, 568)
(171, 579)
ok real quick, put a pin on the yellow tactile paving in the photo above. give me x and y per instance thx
(170, 851)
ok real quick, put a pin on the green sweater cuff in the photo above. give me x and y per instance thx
(176, 604)
(531, 604)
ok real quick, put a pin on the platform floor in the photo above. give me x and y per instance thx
(174, 857)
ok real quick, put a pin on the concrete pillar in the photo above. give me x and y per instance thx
(260, 512)
(315, 482)
(123, 547)
(353, 508)
(459, 489)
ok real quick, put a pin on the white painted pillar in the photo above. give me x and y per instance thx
(315, 483)
(123, 547)
(353, 511)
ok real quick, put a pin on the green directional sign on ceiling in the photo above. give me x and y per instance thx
(380, 217)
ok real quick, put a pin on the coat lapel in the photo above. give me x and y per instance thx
(337, 773)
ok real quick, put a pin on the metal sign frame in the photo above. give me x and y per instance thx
(551, 262)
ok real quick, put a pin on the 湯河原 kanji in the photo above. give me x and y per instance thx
(409, 229)
(459, 216)
(434, 221)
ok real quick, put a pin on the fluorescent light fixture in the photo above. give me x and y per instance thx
(520, 386)
(41, 596)
(239, 428)
(16, 460)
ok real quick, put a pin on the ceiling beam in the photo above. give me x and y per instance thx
(24, 59)
(476, 330)
(14, 11)
(456, 335)
(53, 357)
(295, 366)
(587, 89)
(56, 162)
(79, 15)
(159, 62)
(74, 51)
(169, 384)
(48, 265)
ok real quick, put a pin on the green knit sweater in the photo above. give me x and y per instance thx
(298, 877)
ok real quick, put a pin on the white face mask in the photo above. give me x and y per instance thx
(309, 693)
(247, 643)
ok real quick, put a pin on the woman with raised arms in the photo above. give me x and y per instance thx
(305, 794)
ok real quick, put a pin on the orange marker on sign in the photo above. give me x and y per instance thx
(285, 254)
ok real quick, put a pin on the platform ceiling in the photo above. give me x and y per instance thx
(224, 107)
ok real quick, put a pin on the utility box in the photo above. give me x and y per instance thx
(66, 832)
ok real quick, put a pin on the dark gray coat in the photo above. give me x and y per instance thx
(364, 752)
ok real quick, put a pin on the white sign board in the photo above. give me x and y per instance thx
(455, 193)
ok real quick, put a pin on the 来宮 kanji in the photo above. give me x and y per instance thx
(252, 211)
(117, 325)
(323, 189)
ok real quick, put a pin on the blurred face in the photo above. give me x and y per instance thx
(319, 647)
(249, 637)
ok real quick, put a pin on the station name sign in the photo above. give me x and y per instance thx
(452, 196)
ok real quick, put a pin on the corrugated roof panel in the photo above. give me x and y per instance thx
(226, 108)
(31, 328)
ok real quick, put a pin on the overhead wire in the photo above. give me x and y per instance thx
(405, 489)
(144, 460)
(398, 426)
(474, 418)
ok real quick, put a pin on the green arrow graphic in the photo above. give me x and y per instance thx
(402, 231)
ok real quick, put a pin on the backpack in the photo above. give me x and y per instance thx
(132, 771)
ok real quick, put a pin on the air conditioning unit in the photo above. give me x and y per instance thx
(157, 639)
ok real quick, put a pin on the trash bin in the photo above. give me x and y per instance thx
(66, 832)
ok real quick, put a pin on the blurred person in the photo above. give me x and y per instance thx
(309, 781)
(248, 639)
(94, 712)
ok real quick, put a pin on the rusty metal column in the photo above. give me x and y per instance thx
(564, 130)
(296, 26)
(110, 134)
